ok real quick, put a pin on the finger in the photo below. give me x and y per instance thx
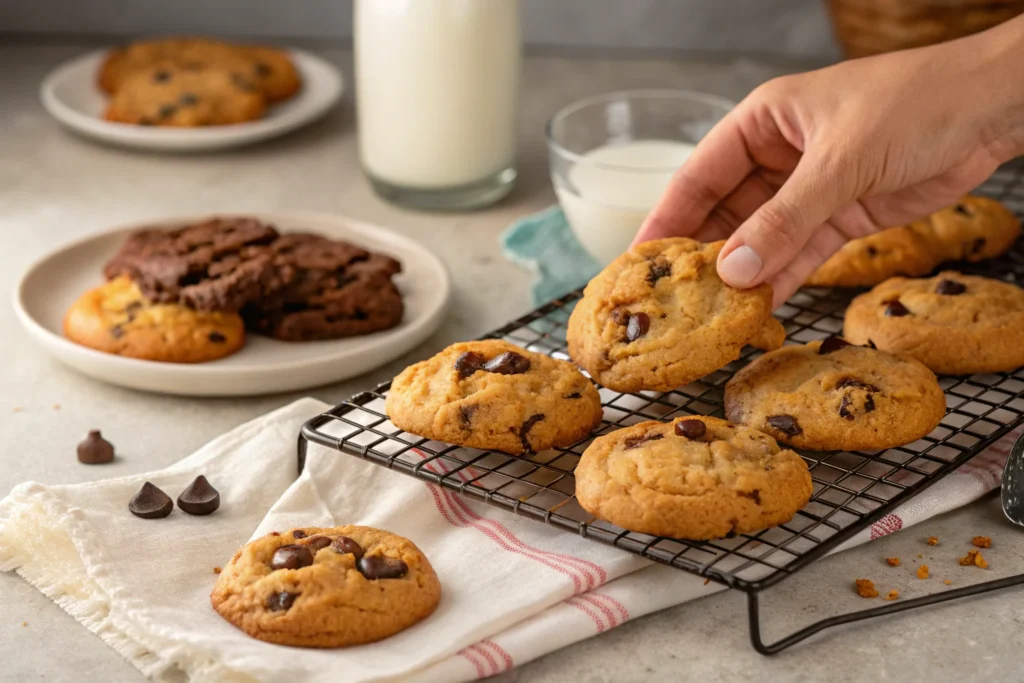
(826, 241)
(732, 211)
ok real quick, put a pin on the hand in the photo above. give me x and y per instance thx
(807, 162)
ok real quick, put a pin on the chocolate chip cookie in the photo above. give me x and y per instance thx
(116, 318)
(335, 587)
(495, 395)
(167, 95)
(695, 477)
(659, 317)
(955, 324)
(832, 395)
(975, 229)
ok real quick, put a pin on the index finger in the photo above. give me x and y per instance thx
(720, 162)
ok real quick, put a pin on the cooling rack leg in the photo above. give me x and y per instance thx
(753, 612)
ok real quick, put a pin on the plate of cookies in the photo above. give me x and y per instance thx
(233, 305)
(190, 94)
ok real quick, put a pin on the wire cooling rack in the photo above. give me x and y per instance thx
(852, 489)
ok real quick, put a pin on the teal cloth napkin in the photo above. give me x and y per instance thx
(544, 243)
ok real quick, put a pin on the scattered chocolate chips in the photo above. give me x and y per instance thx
(199, 498)
(95, 450)
(754, 495)
(831, 344)
(166, 111)
(637, 327)
(382, 568)
(216, 337)
(292, 556)
(786, 424)
(963, 210)
(691, 429)
(894, 309)
(843, 412)
(150, 503)
(525, 429)
(634, 441)
(188, 99)
(849, 382)
(162, 76)
(950, 287)
(298, 533)
(574, 395)
(347, 546)
(316, 543)
(281, 602)
(658, 270)
(508, 363)
(469, 362)
(977, 245)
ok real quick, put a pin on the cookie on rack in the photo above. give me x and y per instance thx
(955, 324)
(491, 394)
(659, 317)
(168, 95)
(327, 588)
(696, 478)
(117, 319)
(975, 229)
(831, 395)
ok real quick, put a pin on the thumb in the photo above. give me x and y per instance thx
(773, 236)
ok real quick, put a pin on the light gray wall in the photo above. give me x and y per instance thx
(778, 27)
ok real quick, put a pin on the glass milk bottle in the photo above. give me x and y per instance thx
(437, 85)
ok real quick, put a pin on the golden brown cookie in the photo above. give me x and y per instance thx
(973, 230)
(167, 95)
(831, 395)
(272, 70)
(495, 395)
(695, 477)
(115, 318)
(955, 324)
(335, 587)
(659, 317)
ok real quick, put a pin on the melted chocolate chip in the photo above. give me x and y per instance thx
(869, 404)
(281, 602)
(263, 69)
(872, 251)
(291, 556)
(167, 111)
(466, 415)
(199, 498)
(188, 99)
(872, 345)
(216, 337)
(346, 546)
(963, 210)
(317, 542)
(375, 568)
(116, 331)
(299, 533)
(524, 430)
(150, 503)
(95, 450)
(843, 412)
(634, 441)
(894, 309)
(849, 382)
(658, 270)
(132, 310)
(950, 287)
(573, 395)
(691, 429)
(638, 325)
(754, 495)
(831, 344)
(977, 245)
(468, 363)
(786, 424)
(161, 76)
(508, 363)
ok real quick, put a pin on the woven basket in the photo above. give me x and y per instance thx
(869, 27)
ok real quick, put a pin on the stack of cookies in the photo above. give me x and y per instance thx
(188, 294)
(195, 82)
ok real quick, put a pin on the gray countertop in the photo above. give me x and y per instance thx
(55, 187)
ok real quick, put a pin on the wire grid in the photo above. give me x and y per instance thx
(852, 490)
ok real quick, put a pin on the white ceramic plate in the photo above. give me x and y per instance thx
(264, 366)
(71, 95)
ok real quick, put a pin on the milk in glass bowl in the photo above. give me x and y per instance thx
(612, 156)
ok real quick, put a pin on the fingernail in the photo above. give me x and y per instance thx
(740, 267)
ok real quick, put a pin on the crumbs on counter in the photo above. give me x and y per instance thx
(981, 542)
(17, 409)
(56, 406)
(24, 624)
(892, 595)
(217, 570)
(947, 582)
(866, 588)
(932, 540)
(707, 581)
(922, 572)
(892, 561)
(974, 558)
(920, 555)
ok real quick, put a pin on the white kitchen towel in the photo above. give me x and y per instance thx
(513, 589)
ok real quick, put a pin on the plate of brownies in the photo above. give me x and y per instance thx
(233, 305)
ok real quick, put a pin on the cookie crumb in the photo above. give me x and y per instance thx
(892, 595)
(920, 555)
(56, 406)
(922, 571)
(24, 624)
(974, 558)
(932, 540)
(866, 588)
(947, 582)
(217, 570)
(274, 533)
(981, 542)
(707, 581)
(17, 409)
(892, 561)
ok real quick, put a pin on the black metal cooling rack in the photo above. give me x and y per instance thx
(852, 490)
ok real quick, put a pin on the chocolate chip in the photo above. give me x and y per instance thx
(894, 309)
(524, 430)
(347, 546)
(299, 533)
(977, 245)
(317, 542)
(199, 498)
(508, 363)
(872, 345)
(754, 495)
(950, 287)
(469, 362)
(638, 439)
(216, 337)
(382, 568)
(574, 395)
(843, 412)
(831, 344)
(658, 270)
(786, 424)
(95, 450)
(167, 111)
(150, 503)
(691, 429)
(188, 99)
(638, 325)
(280, 602)
(291, 556)
(132, 310)
(869, 404)
(849, 382)
(466, 415)
(963, 210)
(872, 251)
(161, 76)
(116, 331)
(263, 69)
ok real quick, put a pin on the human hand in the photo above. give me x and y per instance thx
(807, 162)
